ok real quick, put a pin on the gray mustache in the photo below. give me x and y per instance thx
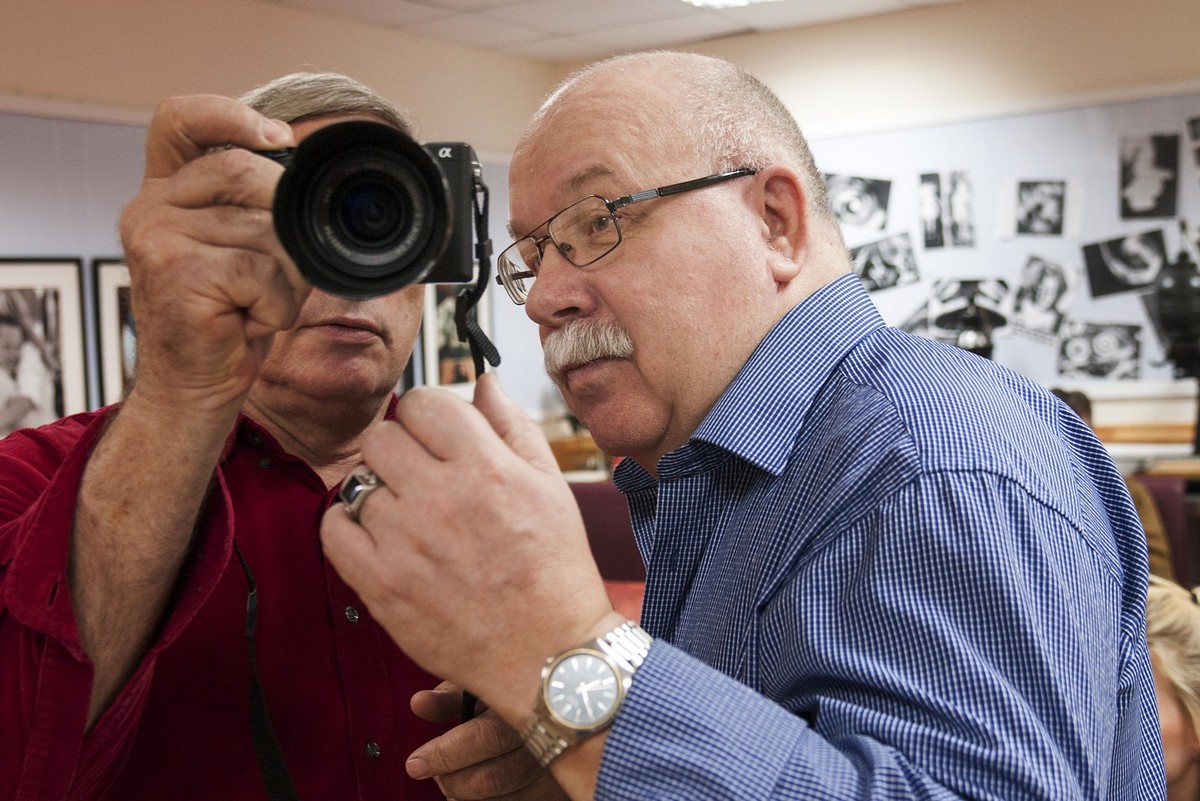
(584, 341)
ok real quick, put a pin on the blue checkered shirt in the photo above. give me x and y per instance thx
(886, 568)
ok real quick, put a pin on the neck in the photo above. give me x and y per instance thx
(326, 436)
(1185, 786)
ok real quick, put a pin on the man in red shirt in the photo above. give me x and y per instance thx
(125, 667)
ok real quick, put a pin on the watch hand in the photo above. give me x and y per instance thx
(584, 690)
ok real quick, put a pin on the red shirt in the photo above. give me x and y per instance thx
(337, 687)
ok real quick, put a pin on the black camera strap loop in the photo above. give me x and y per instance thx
(466, 317)
(266, 747)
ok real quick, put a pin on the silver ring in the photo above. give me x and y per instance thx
(361, 482)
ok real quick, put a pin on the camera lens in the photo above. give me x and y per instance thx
(362, 209)
(371, 213)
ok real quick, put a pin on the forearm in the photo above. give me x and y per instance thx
(137, 508)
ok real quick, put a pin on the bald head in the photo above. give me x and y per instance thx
(701, 112)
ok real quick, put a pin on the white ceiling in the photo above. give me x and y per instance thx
(562, 30)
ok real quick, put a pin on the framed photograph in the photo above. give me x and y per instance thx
(42, 367)
(116, 341)
(447, 359)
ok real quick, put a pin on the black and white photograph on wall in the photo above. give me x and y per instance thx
(1042, 299)
(887, 263)
(42, 374)
(1125, 264)
(1100, 350)
(1149, 176)
(1040, 207)
(929, 209)
(117, 339)
(1193, 127)
(448, 360)
(946, 207)
(860, 204)
(949, 300)
(960, 209)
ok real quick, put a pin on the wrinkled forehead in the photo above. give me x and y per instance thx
(599, 142)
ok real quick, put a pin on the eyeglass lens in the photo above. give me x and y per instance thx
(583, 232)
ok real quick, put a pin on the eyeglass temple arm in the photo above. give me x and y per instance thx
(675, 189)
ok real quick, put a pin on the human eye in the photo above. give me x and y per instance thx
(602, 224)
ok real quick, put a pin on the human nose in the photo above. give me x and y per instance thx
(560, 292)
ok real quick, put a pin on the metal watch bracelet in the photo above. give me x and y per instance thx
(627, 645)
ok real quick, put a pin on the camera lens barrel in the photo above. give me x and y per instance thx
(363, 209)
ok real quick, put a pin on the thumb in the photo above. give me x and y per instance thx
(510, 422)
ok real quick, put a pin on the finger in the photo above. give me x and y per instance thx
(348, 547)
(233, 177)
(375, 510)
(184, 128)
(256, 284)
(400, 456)
(438, 705)
(511, 423)
(478, 740)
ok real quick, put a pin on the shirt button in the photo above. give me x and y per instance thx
(372, 749)
(351, 614)
(264, 462)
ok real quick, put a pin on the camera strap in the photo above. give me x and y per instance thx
(276, 778)
(466, 318)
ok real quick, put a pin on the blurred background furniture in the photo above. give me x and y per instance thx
(610, 535)
(1175, 485)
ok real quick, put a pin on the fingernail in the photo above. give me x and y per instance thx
(275, 131)
(417, 768)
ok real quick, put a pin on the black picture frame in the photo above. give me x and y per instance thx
(115, 332)
(41, 299)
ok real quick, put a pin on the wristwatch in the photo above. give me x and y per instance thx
(582, 689)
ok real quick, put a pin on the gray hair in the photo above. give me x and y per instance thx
(724, 115)
(304, 95)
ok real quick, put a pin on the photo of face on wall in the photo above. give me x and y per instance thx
(887, 263)
(31, 388)
(1126, 263)
(1040, 207)
(1149, 176)
(1099, 350)
(1042, 298)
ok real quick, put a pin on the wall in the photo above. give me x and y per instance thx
(974, 59)
(113, 60)
(921, 66)
(125, 56)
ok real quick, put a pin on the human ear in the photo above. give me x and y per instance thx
(784, 204)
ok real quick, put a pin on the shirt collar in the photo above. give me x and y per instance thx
(758, 415)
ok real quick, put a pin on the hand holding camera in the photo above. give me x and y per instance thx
(210, 281)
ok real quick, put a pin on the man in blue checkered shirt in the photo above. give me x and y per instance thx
(878, 567)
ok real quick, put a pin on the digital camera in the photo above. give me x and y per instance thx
(364, 210)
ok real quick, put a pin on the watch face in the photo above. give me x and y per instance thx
(582, 689)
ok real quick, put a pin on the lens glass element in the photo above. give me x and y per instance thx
(373, 213)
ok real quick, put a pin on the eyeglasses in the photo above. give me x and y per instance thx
(584, 232)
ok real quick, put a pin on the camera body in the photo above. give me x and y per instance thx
(365, 210)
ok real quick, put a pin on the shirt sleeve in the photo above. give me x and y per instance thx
(45, 674)
(965, 640)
